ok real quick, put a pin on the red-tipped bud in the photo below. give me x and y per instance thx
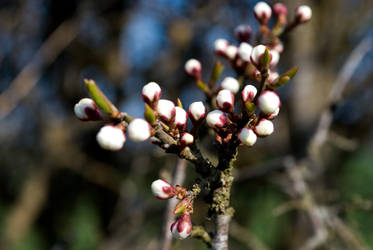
(87, 110)
(151, 93)
(139, 130)
(273, 76)
(193, 68)
(303, 14)
(220, 46)
(268, 102)
(280, 9)
(244, 51)
(230, 84)
(231, 52)
(197, 111)
(166, 109)
(225, 100)
(275, 58)
(162, 189)
(186, 139)
(264, 128)
(181, 117)
(111, 137)
(216, 119)
(182, 227)
(243, 32)
(257, 53)
(262, 12)
(274, 114)
(247, 137)
(248, 93)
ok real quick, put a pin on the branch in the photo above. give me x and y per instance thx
(199, 232)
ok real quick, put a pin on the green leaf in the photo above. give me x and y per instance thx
(285, 78)
(216, 73)
(100, 99)
(250, 107)
(149, 114)
(179, 104)
(266, 59)
(202, 86)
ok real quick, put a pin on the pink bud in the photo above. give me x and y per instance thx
(162, 189)
(275, 57)
(86, 110)
(151, 92)
(182, 227)
(166, 109)
(231, 52)
(180, 118)
(225, 100)
(257, 53)
(216, 119)
(262, 12)
(111, 138)
(244, 51)
(279, 47)
(273, 115)
(248, 93)
(197, 111)
(139, 130)
(243, 32)
(268, 102)
(220, 46)
(193, 68)
(247, 136)
(186, 139)
(273, 76)
(280, 9)
(264, 128)
(230, 84)
(303, 13)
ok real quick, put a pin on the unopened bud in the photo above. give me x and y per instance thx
(257, 53)
(151, 93)
(162, 189)
(243, 32)
(182, 227)
(166, 109)
(274, 114)
(193, 68)
(180, 118)
(279, 47)
(275, 58)
(230, 84)
(111, 138)
(264, 128)
(247, 136)
(216, 119)
(225, 100)
(197, 111)
(231, 52)
(280, 9)
(273, 76)
(303, 13)
(87, 110)
(244, 51)
(262, 12)
(268, 102)
(186, 139)
(248, 93)
(220, 46)
(139, 130)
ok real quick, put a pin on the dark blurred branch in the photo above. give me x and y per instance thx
(26, 80)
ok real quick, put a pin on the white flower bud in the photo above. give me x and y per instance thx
(231, 84)
(86, 110)
(279, 47)
(262, 12)
(151, 92)
(186, 139)
(111, 138)
(280, 9)
(264, 128)
(303, 13)
(182, 227)
(268, 102)
(244, 51)
(257, 53)
(248, 93)
(162, 189)
(274, 114)
(275, 57)
(231, 52)
(139, 130)
(180, 118)
(166, 109)
(225, 100)
(197, 111)
(193, 68)
(243, 32)
(247, 136)
(220, 46)
(216, 119)
(272, 77)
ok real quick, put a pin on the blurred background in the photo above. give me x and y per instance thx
(59, 190)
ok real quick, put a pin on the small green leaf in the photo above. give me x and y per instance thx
(202, 86)
(250, 107)
(216, 72)
(291, 72)
(285, 78)
(179, 104)
(266, 59)
(100, 99)
(149, 114)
